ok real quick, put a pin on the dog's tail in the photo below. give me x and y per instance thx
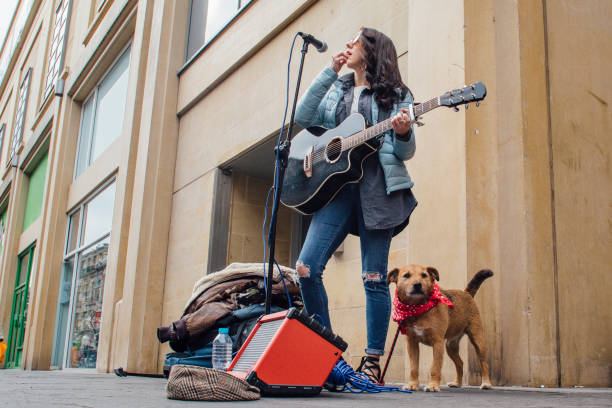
(477, 280)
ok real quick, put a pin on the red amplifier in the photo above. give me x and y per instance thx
(288, 353)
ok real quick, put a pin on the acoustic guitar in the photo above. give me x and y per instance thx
(321, 161)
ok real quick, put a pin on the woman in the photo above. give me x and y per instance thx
(379, 206)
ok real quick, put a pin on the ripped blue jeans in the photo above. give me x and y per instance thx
(328, 228)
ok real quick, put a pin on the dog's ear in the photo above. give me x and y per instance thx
(433, 272)
(392, 276)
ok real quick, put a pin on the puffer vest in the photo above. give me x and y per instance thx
(318, 108)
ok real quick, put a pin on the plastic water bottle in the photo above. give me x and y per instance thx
(222, 350)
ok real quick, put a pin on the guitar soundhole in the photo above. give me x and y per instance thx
(333, 150)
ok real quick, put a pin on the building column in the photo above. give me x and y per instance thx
(509, 191)
(135, 343)
(41, 334)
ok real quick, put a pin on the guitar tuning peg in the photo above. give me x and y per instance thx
(419, 123)
(456, 109)
(467, 105)
(477, 103)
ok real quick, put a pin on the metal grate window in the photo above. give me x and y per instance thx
(22, 103)
(57, 46)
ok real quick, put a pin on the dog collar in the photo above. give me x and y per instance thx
(402, 311)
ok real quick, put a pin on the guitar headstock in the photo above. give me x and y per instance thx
(470, 93)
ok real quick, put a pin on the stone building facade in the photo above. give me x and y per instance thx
(136, 156)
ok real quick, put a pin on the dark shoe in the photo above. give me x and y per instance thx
(371, 368)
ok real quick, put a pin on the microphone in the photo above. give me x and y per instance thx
(321, 46)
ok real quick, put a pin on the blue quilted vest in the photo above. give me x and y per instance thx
(318, 108)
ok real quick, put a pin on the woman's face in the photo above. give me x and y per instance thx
(356, 57)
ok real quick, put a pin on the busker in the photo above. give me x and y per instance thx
(379, 206)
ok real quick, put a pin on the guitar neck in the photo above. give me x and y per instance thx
(385, 125)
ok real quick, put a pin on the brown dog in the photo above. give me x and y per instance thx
(415, 285)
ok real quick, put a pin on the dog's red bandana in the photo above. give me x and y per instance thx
(402, 311)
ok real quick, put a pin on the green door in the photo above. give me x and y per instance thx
(20, 309)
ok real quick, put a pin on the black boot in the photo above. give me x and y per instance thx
(370, 366)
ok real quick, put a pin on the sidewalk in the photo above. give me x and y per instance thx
(34, 389)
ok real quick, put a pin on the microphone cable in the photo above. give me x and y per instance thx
(275, 186)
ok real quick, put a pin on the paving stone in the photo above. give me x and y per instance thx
(86, 389)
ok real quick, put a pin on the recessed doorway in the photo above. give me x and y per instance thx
(241, 191)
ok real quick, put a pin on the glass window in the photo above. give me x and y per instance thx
(23, 270)
(11, 39)
(110, 107)
(3, 218)
(85, 132)
(98, 215)
(61, 319)
(87, 311)
(36, 190)
(24, 90)
(207, 18)
(57, 46)
(2, 131)
(79, 307)
(102, 114)
(73, 231)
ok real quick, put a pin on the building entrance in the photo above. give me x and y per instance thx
(19, 310)
(251, 176)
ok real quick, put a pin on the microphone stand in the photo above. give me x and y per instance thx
(283, 152)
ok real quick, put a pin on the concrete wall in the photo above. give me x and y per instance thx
(246, 219)
(530, 192)
(580, 61)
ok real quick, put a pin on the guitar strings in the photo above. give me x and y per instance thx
(319, 155)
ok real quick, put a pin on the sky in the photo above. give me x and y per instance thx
(7, 8)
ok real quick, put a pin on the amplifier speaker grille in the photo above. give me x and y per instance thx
(258, 345)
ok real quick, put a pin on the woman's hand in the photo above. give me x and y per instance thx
(338, 61)
(401, 122)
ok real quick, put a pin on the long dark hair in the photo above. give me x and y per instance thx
(382, 71)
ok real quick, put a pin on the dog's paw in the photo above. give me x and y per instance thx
(453, 384)
(412, 386)
(432, 387)
(485, 386)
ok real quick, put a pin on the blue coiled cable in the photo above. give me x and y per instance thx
(344, 376)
